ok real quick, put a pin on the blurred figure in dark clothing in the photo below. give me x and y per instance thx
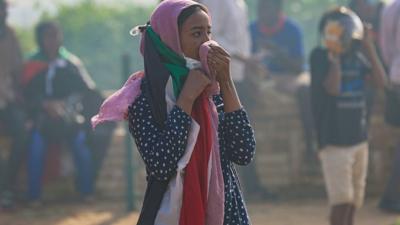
(11, 117)
(280, 37)
(57, 87)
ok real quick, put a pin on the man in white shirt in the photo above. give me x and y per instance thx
(230, 28)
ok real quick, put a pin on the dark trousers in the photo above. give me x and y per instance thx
(99, 142)
(81, 155)
(12, 127)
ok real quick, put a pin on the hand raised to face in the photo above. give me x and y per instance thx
(219, 63)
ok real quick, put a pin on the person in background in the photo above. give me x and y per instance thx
(55, 82)
(187, 120)
(11, 115)
(278, 41)
(341, 69)
(279, 37)
(230, 29)
(390, 49)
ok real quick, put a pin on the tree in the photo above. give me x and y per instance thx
(99, 34)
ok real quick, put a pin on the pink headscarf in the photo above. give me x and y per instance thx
(164, 21)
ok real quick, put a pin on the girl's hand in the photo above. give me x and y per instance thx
(194, 85)
(219, 63)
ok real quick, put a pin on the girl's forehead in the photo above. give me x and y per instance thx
(198, 18)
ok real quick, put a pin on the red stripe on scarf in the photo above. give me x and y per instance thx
(195, 184)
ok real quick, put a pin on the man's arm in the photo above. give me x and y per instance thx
(230, 26)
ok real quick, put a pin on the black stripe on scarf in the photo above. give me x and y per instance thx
(155, 80)
(156, 75)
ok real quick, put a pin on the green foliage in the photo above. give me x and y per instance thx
(26, 40)
(100, 35)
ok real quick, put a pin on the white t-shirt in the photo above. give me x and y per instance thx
(230, 30)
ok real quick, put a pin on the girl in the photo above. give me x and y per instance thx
(187, 121)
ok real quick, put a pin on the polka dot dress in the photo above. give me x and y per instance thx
(161, 149)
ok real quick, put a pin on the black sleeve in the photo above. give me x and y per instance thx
(319, 66)
(237, 137)
(78, 83)
(160, 148)
(69, 82)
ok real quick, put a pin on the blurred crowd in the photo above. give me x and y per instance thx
(46, 101)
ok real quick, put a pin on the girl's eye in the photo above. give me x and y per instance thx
(197, 34)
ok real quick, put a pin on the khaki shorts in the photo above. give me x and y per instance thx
(345, 173)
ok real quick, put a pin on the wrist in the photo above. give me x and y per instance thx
(226, 85)
(225, 80)
(185, 103)
(229, 96)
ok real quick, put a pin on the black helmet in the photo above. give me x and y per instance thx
(339, 28)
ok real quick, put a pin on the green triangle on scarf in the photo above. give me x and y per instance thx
(174, 63)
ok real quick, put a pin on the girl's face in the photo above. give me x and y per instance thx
(194, 32)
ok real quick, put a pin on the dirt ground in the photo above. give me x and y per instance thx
(293, 212)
